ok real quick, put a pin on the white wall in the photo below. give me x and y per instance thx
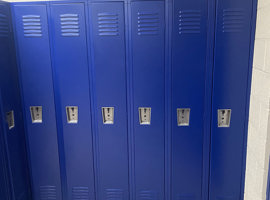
(259, 119)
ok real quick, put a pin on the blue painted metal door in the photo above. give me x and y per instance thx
(70, 64)
(5, 192)
(109, 90)
(37, 90)
(230, 86)
(147, 43)
(189, 37)
(15, 138)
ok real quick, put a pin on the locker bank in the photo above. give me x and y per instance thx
(125, 100)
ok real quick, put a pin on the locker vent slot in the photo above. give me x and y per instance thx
(233, 20)
(148, 23)
(80, 193)
(3, 26)
(70, 25)
(148, 195)
(114, 194)
(32, 25)
(189, 21)
(47, 192)
(108, 24)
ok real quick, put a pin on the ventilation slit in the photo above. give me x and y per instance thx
(148, 23)
(114, 194)
(70, 25)
(47, 192)
(32, 26)
(3, 26)
(80, 193)
(108, 24)
(233, 20)
(189, 21)
(148, 195)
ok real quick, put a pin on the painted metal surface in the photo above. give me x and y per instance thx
(108, 72)
(12, 134)
(5, 189)
(230, 88)
(33, 53)
(148, 83)
(189, 39)
(70, 65)
(142, 60)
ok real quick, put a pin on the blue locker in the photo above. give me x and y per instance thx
(230, 91)
(33, 54)
(108, 79)
(70, 64)
(148, 79)
(5, 190)
(189, 51)
(13, 130)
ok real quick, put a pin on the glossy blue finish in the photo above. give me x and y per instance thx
(33, 54)
(189, 39)
(14, 139)
(70, 65)
(230, 88)
(130, 54)
(148, 83)
(108, 79)
(5, 192)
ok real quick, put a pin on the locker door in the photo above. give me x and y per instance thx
(37, 91)
(4, 194)
(70, 64)
(231, 66)
(4, 184)
(188, 87)
(109, 81)
(147, 29)
(15, 137)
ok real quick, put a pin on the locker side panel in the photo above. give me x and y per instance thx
(72, 89)
(109, 81)
(37, 90)
(147, 29)
(188, 87)
(232, 50)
